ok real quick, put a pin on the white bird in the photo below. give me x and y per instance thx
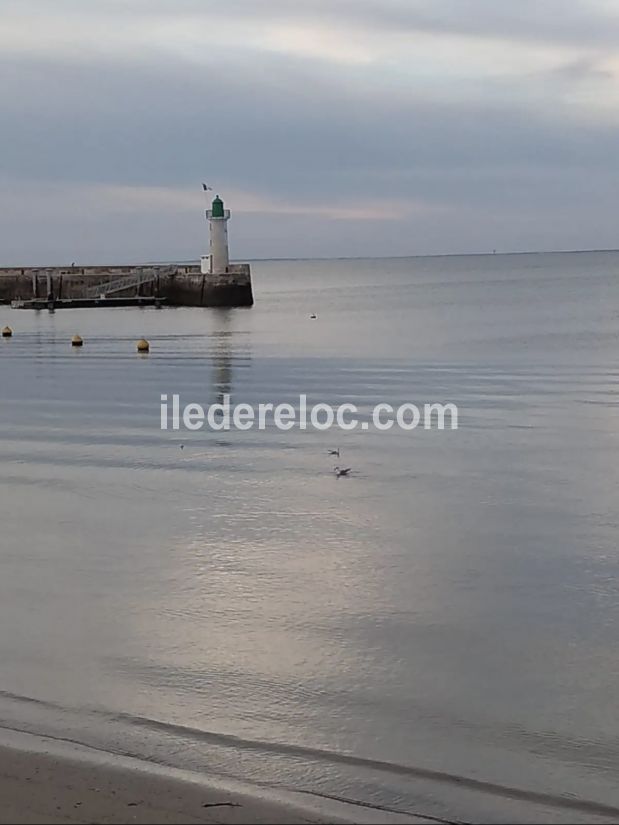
(339, 473)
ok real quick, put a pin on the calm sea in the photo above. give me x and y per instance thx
(437, 633)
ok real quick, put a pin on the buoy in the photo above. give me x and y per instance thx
(143, 345)
(76, 341)
(7, 332)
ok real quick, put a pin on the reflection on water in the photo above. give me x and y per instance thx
(223, 338)
(447, 613)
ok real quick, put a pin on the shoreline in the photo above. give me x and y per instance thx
(45, 780)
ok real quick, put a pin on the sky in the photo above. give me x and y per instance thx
(330, 127)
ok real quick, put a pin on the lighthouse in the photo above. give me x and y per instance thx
(218, 262)
(221, 284)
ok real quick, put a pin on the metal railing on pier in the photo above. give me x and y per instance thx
(133, 281)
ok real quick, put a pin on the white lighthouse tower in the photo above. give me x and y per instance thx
(217, 263)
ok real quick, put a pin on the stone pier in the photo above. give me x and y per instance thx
(178, 285)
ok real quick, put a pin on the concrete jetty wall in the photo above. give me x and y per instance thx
(181, 285)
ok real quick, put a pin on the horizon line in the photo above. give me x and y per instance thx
(439, 255)
(189, 262)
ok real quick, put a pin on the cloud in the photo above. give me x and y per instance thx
(156, 198)
(436, 119)
(552, 22)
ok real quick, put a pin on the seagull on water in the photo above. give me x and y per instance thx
(339, 473)
(335, 452)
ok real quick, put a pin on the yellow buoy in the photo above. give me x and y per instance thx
(143, 345)
(7, 332)
(76, 341)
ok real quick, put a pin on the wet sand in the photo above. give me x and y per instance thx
(47, 781)
(42, 788)
(51, 786)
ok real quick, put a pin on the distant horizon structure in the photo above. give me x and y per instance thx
(218, 261)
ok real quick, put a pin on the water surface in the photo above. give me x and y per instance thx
(450, 611)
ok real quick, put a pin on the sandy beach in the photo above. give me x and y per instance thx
(47, 788)
(44, 781)
(50, 781)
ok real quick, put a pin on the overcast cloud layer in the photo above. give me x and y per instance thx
(331, 127)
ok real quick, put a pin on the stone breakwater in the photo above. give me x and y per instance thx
(179, 285)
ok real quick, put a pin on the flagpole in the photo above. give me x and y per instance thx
(206, 189)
